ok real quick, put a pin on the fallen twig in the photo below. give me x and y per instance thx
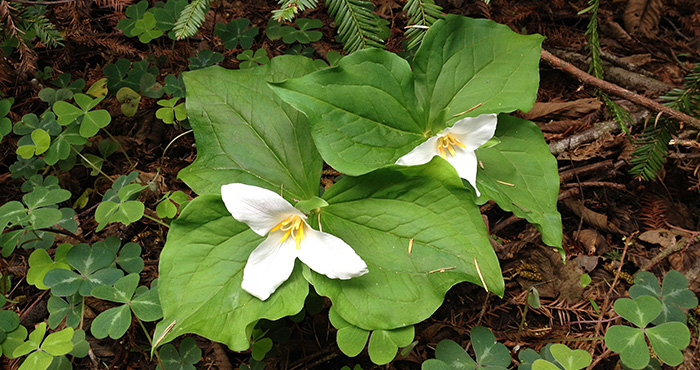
(617, 90)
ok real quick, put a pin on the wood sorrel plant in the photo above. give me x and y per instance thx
(418, 228)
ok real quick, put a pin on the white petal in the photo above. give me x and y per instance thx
(269, 265)
(465, 163)
(259, 208)
(421, 154)
(330, 255)
(473, 132)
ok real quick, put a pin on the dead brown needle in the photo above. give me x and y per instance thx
(443, 269)
(481, 277)
(468, 110)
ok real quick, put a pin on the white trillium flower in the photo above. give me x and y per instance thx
(288, 237)
(456, 144)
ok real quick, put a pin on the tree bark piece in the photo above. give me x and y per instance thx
(617, 90)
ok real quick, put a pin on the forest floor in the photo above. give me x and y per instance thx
(615, 224)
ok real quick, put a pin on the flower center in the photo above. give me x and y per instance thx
(445, 143)
(292, 225)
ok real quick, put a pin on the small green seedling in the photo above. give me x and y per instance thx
(130, 100)
(171, 111)
(205, 58)
(250, 60)
(667, 339)
(170, 202)
(489, 353)
(115, 321)
(235, 32)
(184, 359)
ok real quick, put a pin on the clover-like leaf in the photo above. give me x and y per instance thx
(205, 58)
(167, 15)
(113, 322)
(236, 31)
(570, 359)
(489, 353)
(250, 60)
(304, 34)
(170, 111)
(174, 85)
(68, 309)
(130, 100)
(123, 210)
(133, 14)
(454, 355)
(184, 359)
(41, 263)
(92, 264)
(674, 295)
(640, 311)
(668, 340)
(629, 343)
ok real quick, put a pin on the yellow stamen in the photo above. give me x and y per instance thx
(292, 225)
(446, 143)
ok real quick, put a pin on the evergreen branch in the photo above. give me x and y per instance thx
(358, 28)
(290, 8)
(191, 18)
(421, 15)
(33, 19)
(652, 149)
(596, 67)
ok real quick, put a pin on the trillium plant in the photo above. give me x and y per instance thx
(420, 144)
(456, 144)
(288, 237)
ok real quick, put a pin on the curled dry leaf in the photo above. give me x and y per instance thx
(642, 16)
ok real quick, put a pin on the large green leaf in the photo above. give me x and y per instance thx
(363, 113)
(372, 109)
(380, 214)
(464, 62)
(201, 270)
(521, 175)
(246, 134)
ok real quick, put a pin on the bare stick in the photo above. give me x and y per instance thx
(617, 90)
